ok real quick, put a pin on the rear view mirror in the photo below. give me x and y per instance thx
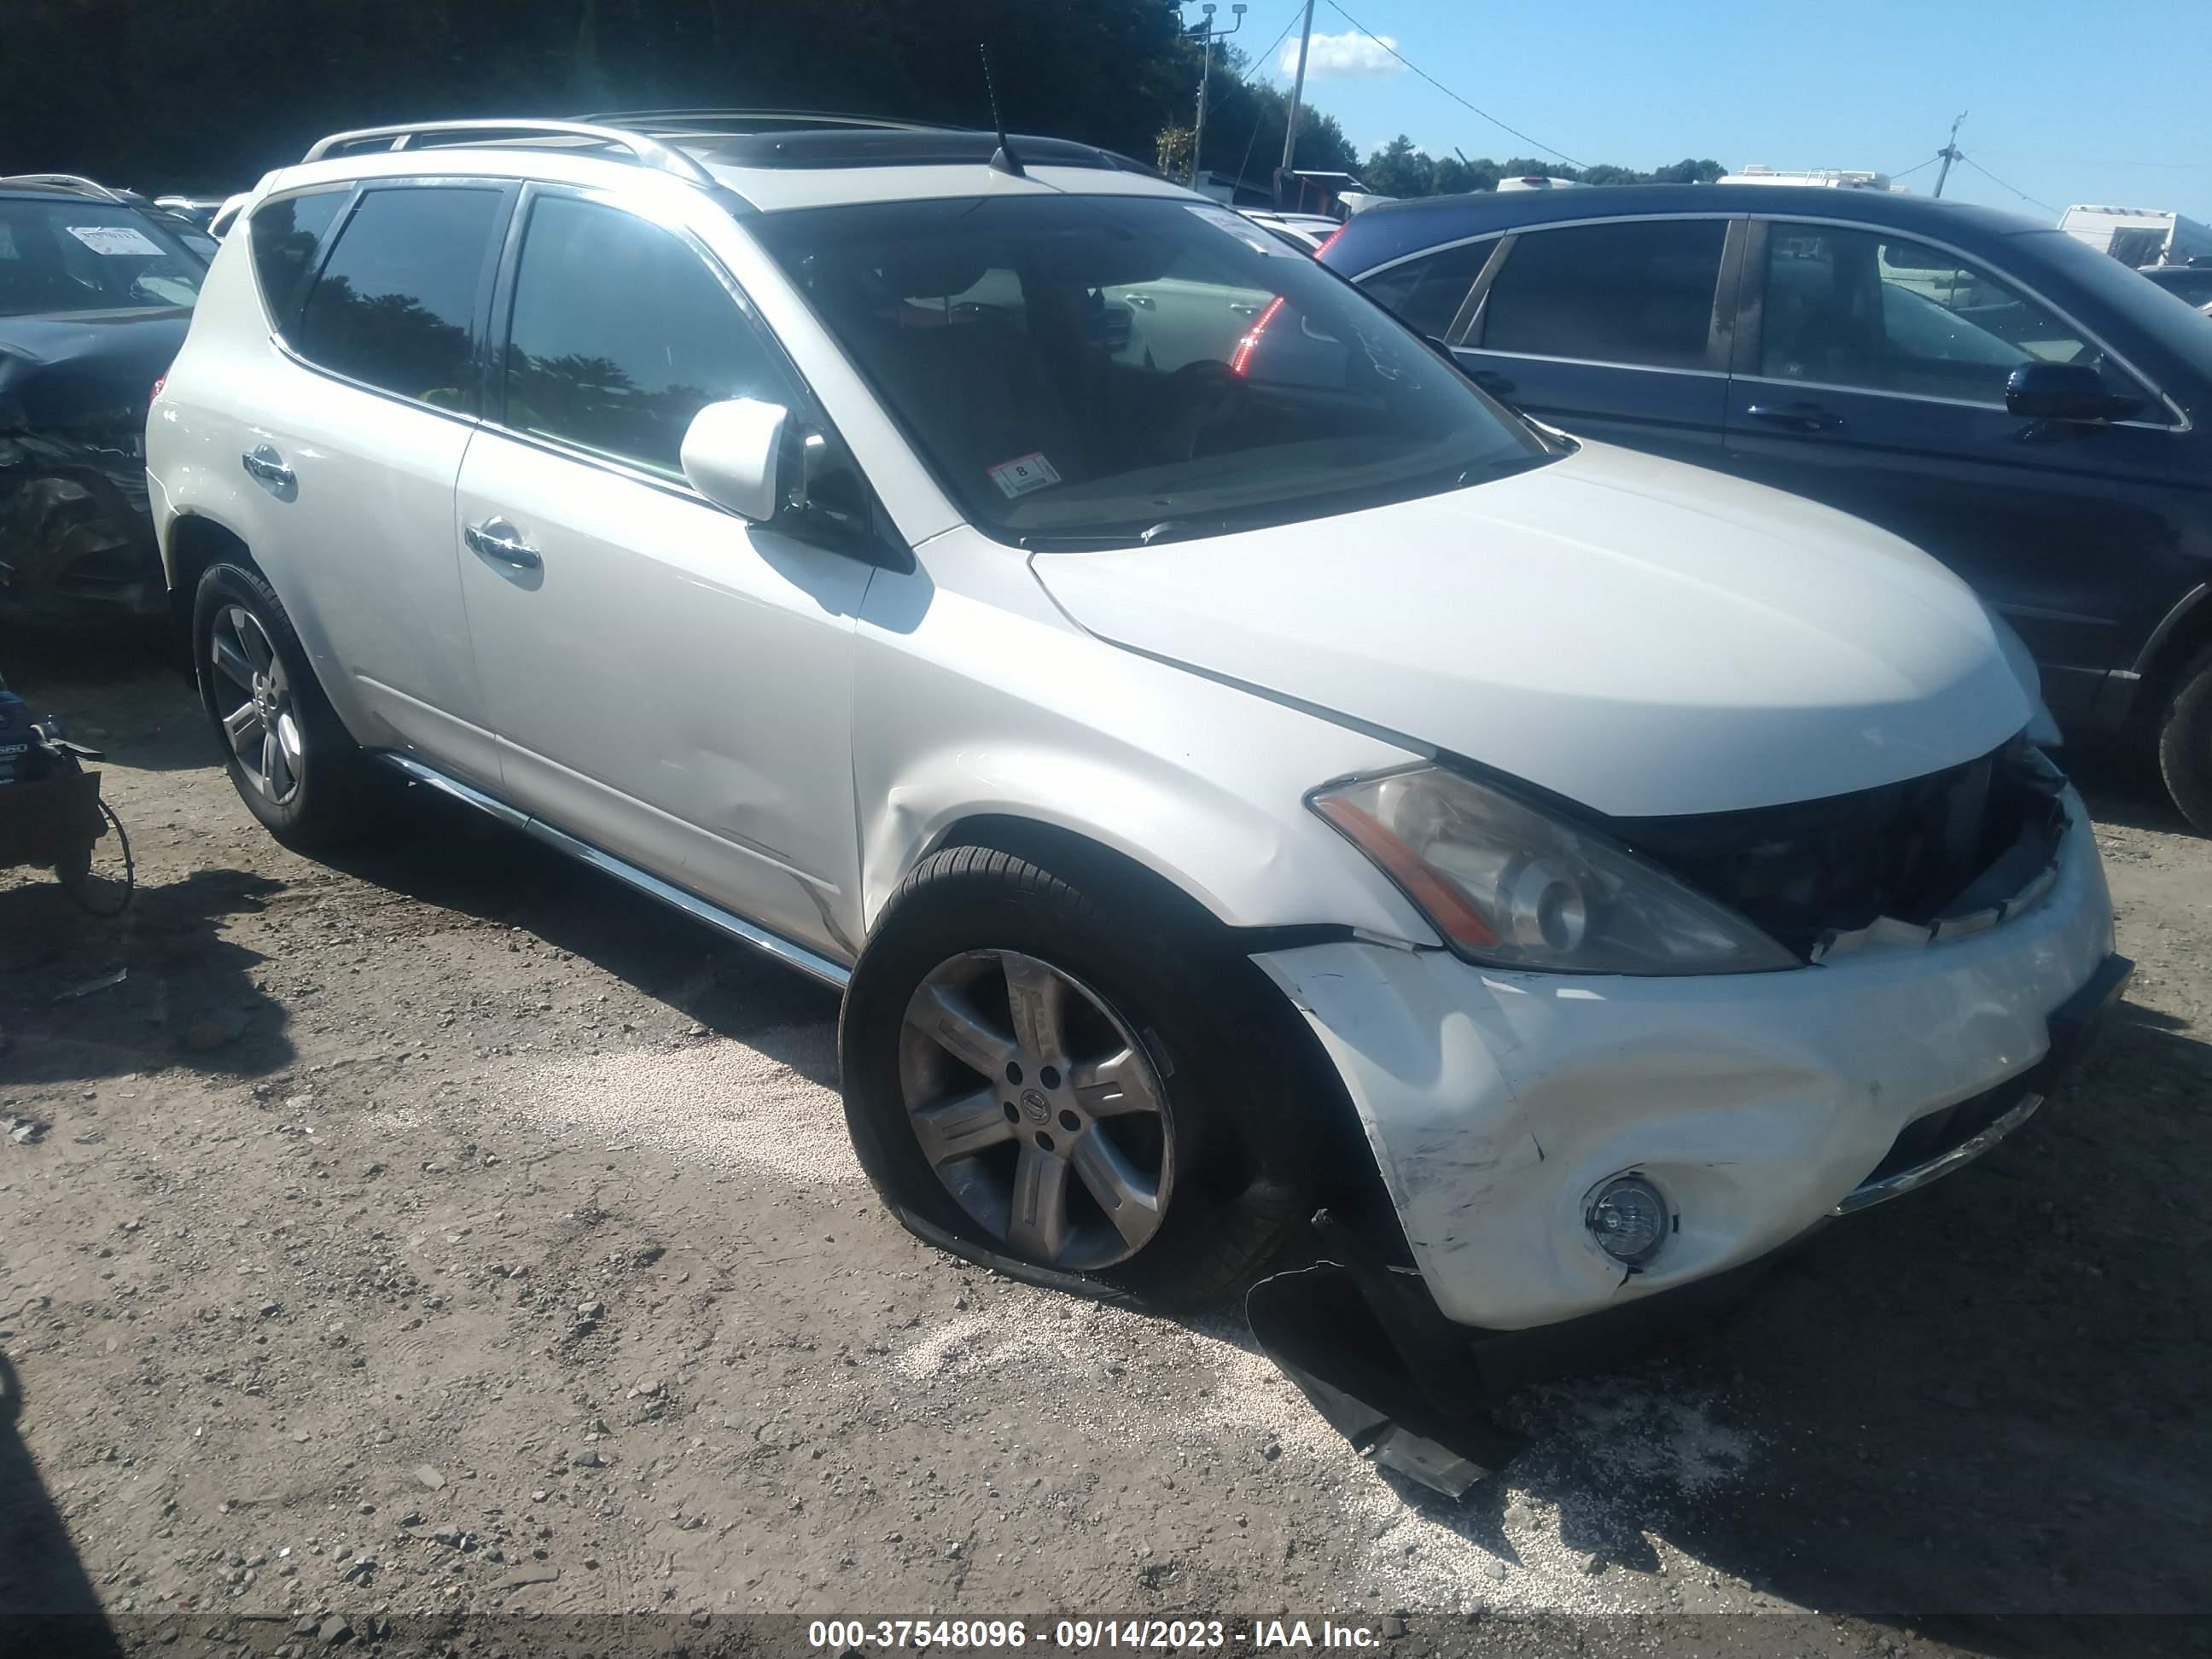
(732, 454)
(2063, 391)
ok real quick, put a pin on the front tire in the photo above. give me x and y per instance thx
(2184, 744)
(290, 758)
(1076, 1080)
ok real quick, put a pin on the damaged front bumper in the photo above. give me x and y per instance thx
(1759, 1105)
(77, 537)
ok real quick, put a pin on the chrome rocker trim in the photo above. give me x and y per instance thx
(812, 964)
(1905, 1181)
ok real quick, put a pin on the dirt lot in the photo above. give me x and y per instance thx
(445, 1231)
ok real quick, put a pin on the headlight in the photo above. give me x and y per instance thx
(1511, 887)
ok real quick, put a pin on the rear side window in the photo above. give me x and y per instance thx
(1426, 293)
(1637, 291)
(621, 334)
(396, 303)
(285, 234)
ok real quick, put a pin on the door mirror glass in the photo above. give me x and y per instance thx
(733, 454)
(2063, 391)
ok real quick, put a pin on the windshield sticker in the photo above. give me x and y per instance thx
(115, 241)
(1023, 473)
(1236, 225)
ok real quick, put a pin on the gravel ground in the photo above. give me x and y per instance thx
(445, 1231)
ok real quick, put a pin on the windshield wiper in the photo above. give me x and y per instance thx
(1505, 468)
(1167, 530)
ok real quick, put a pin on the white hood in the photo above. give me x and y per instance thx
(1642, 636)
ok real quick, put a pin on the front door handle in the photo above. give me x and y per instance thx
(266, 467)
(1796, 417)
(498, 538)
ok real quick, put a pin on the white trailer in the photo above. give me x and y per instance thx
(1818, 178)
(2139, 236)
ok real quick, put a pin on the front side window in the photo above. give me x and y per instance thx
(396, 303)
(1863, 309)
(1101, 369)
(284, 235)
(1636, 291)
(621, 334)
(1425, 293)
(65, 256)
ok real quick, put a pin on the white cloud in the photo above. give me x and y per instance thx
(1344, 57)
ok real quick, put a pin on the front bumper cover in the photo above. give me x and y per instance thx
(1495, 1103)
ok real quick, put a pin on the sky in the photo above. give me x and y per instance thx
(2066, 100)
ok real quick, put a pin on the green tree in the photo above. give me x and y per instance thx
(1244, 122)
(1400, 169)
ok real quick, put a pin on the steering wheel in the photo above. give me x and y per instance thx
(1203, 393)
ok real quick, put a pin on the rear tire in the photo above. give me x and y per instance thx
(1217, 1177)
(2184, 744)
(290, 758)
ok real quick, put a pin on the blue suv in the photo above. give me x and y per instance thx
(2023, 407)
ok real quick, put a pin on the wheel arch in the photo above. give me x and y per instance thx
(195, 542)
(1354, 1183)
(2182, 632)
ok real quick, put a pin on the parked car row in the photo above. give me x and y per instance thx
(1230, 765)
(2000, 394)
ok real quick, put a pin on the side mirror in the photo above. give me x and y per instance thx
(2063, 391)
(733, 454)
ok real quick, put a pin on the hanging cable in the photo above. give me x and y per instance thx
(1447, 91)
(1994, 179)
(1258, 62)
(1914, 168)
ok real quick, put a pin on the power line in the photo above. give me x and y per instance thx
(1994, 179)
(1447, 91)
(1259, 65)
(1916, 167)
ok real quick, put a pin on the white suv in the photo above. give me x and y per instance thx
(1232, 765)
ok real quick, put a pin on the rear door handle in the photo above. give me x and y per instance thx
(1796, 417)
(266, 467)
(498, 538)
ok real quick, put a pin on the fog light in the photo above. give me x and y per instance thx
(1629, 1219)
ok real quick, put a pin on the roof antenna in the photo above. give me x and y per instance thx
(1003, 158)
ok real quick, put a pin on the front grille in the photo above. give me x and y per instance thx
(1909, 852)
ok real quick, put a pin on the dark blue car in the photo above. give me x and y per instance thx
(2028, 410)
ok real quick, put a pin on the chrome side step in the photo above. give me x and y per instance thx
(792, 954)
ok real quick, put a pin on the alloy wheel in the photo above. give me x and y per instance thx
(261, 722)
(1038, 1109)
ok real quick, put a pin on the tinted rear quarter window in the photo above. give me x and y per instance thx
(1639, 291)
(1425, 293)
(396, 304)
(284, 235)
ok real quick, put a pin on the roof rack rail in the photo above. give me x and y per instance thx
(68, 181)
(644, 151)
(715, 122)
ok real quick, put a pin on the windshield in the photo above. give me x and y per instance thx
(1086, 369)
(68, 255)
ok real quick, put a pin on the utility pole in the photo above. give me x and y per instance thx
(1949, 152)
(1297, 92)
(1209, 34)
